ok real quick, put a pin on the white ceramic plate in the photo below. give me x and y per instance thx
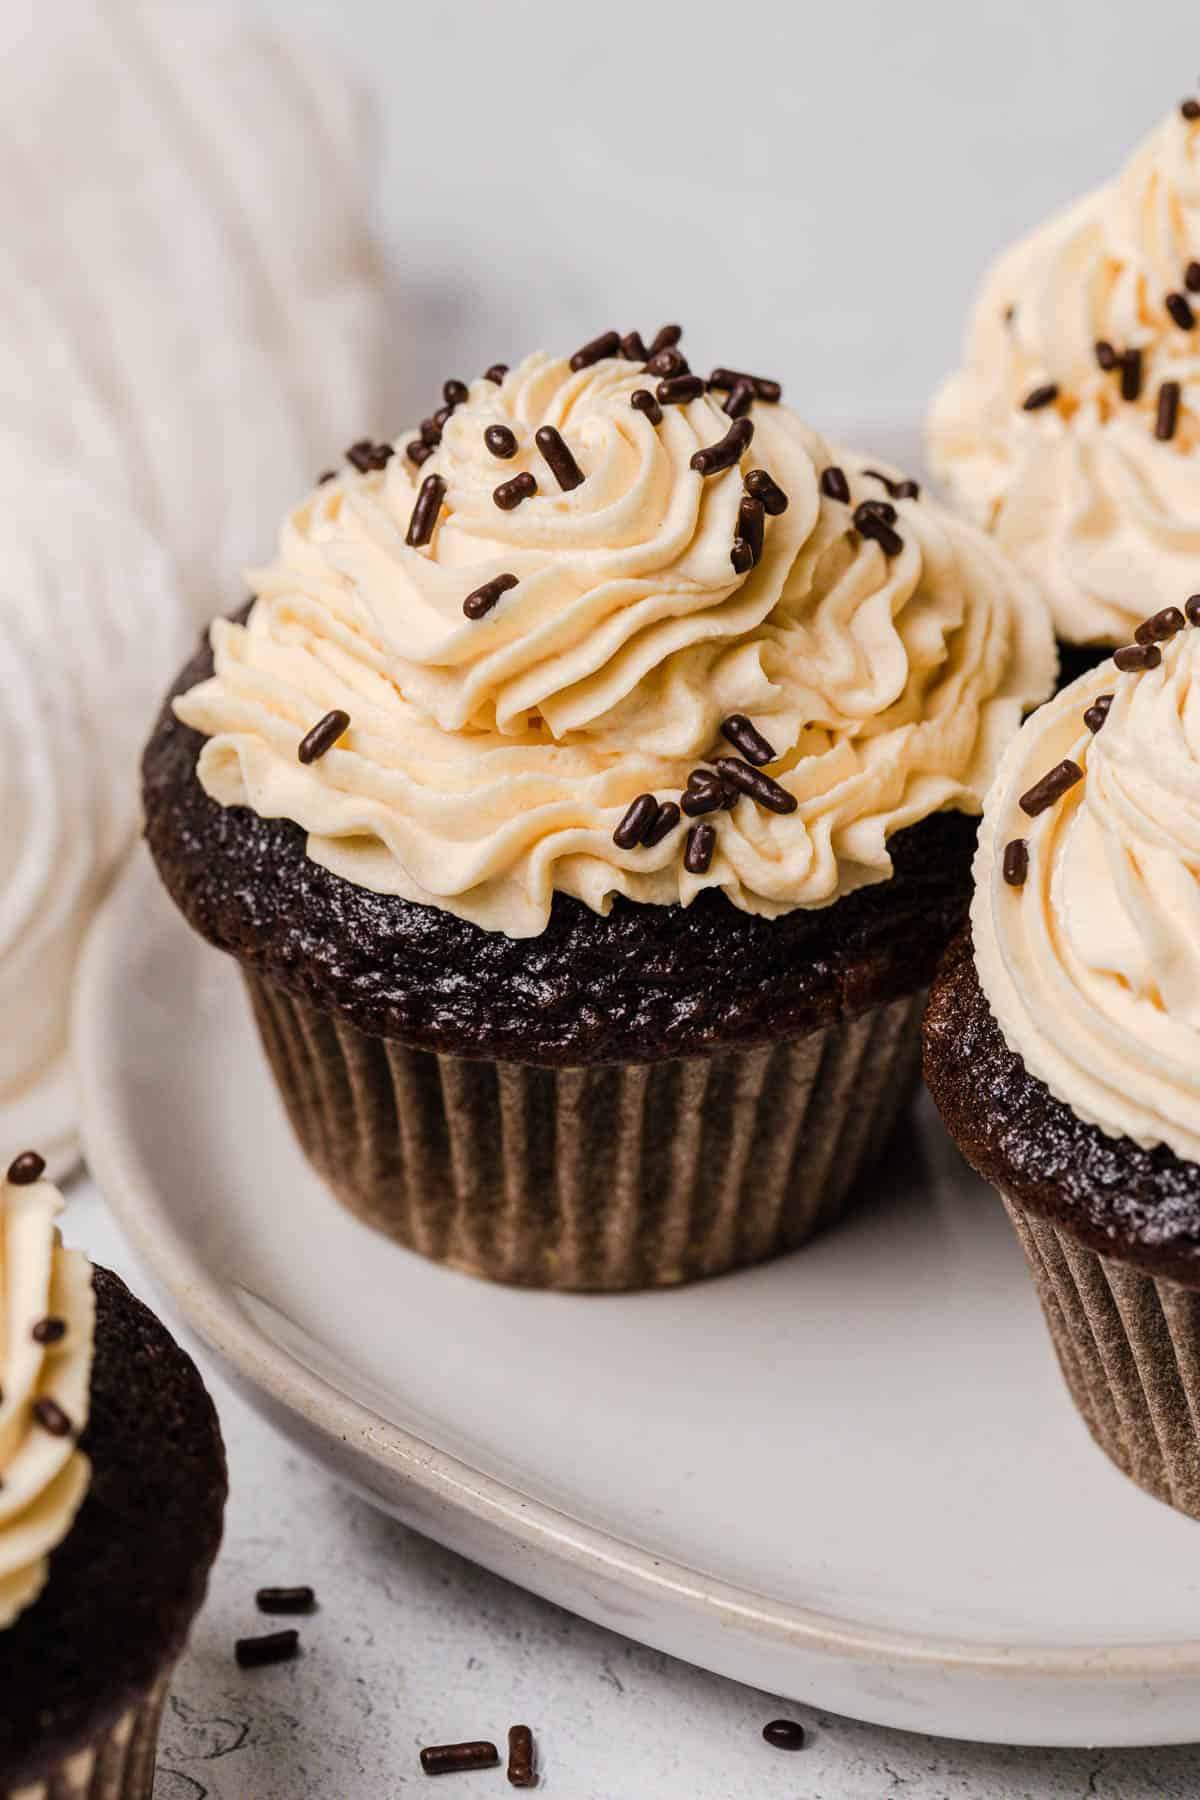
(852, 1477)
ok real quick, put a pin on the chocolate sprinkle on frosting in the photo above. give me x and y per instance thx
(455, 392)
(501, 441)
(1106, 356)
(418, 451)
(424, 514)
(285, 1599)
(511, 493)
(741, 555)
(1160, 626)
(764, 388)
(1016, 862)
(738, 730)
(562, 465)
(25, 1169)
(1192, 609)
(740, 400)
(431, 433)
(1038, 397)
(1131, 375)
(482, 599)
(326, 475)
(50, 1331)
(871, 522)
(664, 823)
(698, 854)
(272, 1647)
(729, 450)
(1137, 656)
(323, 736)
(366, 456)
(496, 373)
(763, 488)
(1190, 109)
(1180, 309)
(1191, 278)
(1096, 714)
(637, 820)
(1051, 788)
(1167, 417)
(521, 1771)
(784, 1734)
(607, 344)
(677, 390)
(762, 788)
(834, 484)
(668, 362)
(876, 509)
(455, 1759)
(665, 338)
(633, 347)
(750, 522)
(51, 1417)
(642, 400)
(704, 793)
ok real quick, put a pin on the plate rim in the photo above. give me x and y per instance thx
(449, 1481)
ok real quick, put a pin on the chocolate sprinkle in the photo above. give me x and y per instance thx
(285, 1599)
(25, 1169)
(481, 600)
(834, 484)
(877, 509)
(326, 475)
(633, 348)
(51, 1417)
(366, 456)
(1168, 411)
(1190, 109)
(1191, 608)
(1180, 309)
(1133, 657)
(1106, 356)
(425, 512)
(1131, 374)
(637, 820)
(642, 400)
(743, 735)
(740, 401)
(272, 1647)
(501, 441)
(1160, 626)
(455, 392)
(726, 452)
(665, 338)
(496, 373)
(1016, 862)
(873, 525)
(668, 362)
(704, 793)
(665, 822)
(760, 484)
(764, 388)
(322, 736)
(763, 788)
(741, 555)
(454, 1759)
(1038, 397)
(1053, 785)
(750, 521)
(607, 344)
(431, 433)
(1098, 712)
(908, 489)
(562, 465)
(511, 493)
(418, 451)
(1191, 278)
(677, 390)
(50, 1331)
(784, 1734)
(698, 855)
(521, 1772)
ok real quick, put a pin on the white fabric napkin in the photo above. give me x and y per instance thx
(191, 327)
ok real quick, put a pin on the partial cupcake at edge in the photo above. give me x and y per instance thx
(1071, 429)
(587, 794)
(1062, 1042)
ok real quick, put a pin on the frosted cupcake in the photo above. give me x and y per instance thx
(1071, 431)
(586, 795)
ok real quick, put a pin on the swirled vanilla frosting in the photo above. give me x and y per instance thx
(1092, 965)
(47, 1318)
(1072, 429)
(885, 654)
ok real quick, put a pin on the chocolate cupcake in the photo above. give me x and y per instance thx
(1070, 430)
(110, 1512)
(586, 799)
(1062, 1043)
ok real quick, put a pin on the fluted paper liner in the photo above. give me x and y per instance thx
(1128, 1345)
(118, 1766)
(616, 1176)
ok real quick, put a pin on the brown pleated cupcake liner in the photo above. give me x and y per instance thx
(1128, 1345)
(611, 1177)
(118, 1766)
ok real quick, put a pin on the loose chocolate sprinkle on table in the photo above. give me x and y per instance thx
(455, 392)
(607, 344)
(285, 1599)
(665, 338)
(1098, 712)
(1192, 609)
(740, 400)
(1191, 278)
(50, 1331)
(1131, 374)
(664, 823)
(874, 526)
(562, 465)
(1137, 656)
(455, 1759)
(1180, 309)
(1160, 626)
(496, 373)
(760, 484)
(323, 735)
(764, 387)
(51, 1417)
(744, 736)
(272, 1647)
(501, 441)
(750, 521)
(25, 1169)
(763, 788)
(511, 493)
(784, 1734)
(698, 854)
(1106, 356)
(1190, 109)
(741, 555)
(1038, 397)
(727, 451)
(633, 347)
(418, 451)
(642, 400)
(677, 390)
(482, 599)
(365, 455)
(638, 817)
(1016, 862)
(1050, 788)
(1167, 417)
(704, 793)
(834, 484)
(326, 475)
(668, 362)
(520, 1757)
